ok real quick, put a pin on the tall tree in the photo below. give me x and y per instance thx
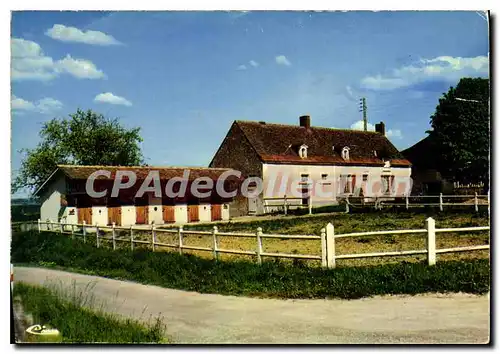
(461, 131)
(85, 138)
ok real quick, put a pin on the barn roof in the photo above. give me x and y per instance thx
(277, 143)
(77, 172)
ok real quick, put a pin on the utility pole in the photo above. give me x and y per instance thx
(363, 109)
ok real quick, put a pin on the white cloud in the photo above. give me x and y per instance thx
(394, 133)
(80, 68)
(444, 68)
(45, 105)
(390, 133)
(108, 97)
(30, 63)
(241, 67)
(282, 60)
(73, 34)
(254, 63)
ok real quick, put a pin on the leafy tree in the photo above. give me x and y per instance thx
(461, 132)
(85, 138)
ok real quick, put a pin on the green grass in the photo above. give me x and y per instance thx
(240, 277)
(81, 324)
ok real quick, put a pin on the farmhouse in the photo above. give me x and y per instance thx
(328, 163)
(65, 197)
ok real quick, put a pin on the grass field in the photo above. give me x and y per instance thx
(273, 278)
(74, 315)
(343, 223)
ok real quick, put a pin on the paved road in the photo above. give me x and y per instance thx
(204, 318)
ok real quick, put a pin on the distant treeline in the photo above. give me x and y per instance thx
(25, 212)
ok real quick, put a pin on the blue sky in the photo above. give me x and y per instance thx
(183, 77)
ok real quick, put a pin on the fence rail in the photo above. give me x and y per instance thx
(411, 201)
(328, 255)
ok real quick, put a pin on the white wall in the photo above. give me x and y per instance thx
(326, 191)
(225, 212)
(128, 215)
(155, 215)
(205, 212)
(51, 200)
(99, 215)
(181, 214)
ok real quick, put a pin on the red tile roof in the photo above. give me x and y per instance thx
(83, 172)
(278, 143)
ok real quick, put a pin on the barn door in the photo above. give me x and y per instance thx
(216, 212)
(84, 214)
(168, 214)
(193, 213)
(141, 214)
(114, 215)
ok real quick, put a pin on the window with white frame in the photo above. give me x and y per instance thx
(345, 153)
(303, 151)
(324, 176)
(386, 184)
(346, 181)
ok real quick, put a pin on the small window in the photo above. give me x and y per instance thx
(304, 178)
(345, 153)
(324, 176)
(303, 151)
(365, 178)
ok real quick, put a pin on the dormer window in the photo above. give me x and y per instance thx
(303, 151)
(345, 153)
(375, 153)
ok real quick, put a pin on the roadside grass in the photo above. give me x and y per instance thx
(343, 223)
(73, 314)
(273, 278)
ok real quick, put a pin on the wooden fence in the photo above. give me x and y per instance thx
(285, 203)
(328, 255)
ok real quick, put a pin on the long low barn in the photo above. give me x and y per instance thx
(64, 197)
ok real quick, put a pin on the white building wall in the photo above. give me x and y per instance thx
(205, 212)
(99, 215)
(128, 215)
(225, 212)
(155, 214)
(51, 208)
(181, 216)
(282, 179)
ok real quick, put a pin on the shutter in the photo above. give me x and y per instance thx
(392, 185)
(353, 183)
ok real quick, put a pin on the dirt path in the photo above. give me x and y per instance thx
(204, 318)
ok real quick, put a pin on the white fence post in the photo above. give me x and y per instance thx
(441, 201)
(476, 207)
(285, 206)
(431, 241)
(113, 235)
(153, 237)
(60, 227)
(347, 204)
(215, 243)
(330, 245)
(180, 239)
(97, 234)
(39, 226)
(324, 258)
(84, 232)
(259, 245)
(131, 238)
(407, 202)
(309, 202)
(72, 231)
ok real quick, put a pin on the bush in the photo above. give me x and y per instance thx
(271, 279)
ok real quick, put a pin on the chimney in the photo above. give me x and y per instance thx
(380, 128)
(305, 121)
